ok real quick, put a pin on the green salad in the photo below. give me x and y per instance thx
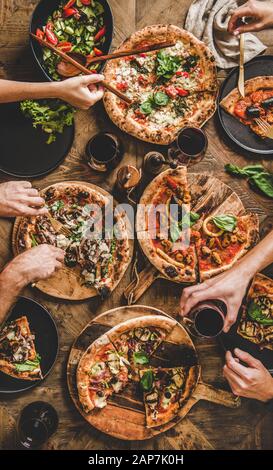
(76, 27)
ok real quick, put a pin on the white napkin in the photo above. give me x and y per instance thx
(208, 21)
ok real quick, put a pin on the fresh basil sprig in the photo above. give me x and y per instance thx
(147, 380)
(140, 357)
(257, 175)
(166, 65)
(155, 101)
(255, 312)
(28, 366)
(187, 221)
(225, 222)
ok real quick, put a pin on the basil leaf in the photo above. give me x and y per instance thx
(256, 314)
(28, 366)
(225, 222)
(140, 357)
(146, 107)
(161, 99)
(193, 218)
(174, 232)
(246, 171)
(166, 65)
(147, 380)
(188, 220)
(264, 182)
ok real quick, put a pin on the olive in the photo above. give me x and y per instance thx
(252, 112)
(70, 261)
(268, 103)
(171, 271)
(168, 394)
(100, 393)
(114, 380)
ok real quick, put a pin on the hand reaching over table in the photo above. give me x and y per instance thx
(18, 198)
(231, 286)
(251, 380)
(261, 14)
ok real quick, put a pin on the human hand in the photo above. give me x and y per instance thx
(19, 198)
(229, 287)
(33, 265)
(261, 14)
(253, 381)
(81, 92)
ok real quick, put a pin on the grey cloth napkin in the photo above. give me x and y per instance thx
(208, 21)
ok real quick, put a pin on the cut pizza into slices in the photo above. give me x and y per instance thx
(170, 88)
(137, 340)
(100, 373)
(256, 323)
(257, 103)
(18, 356)
(222, 240)
(166, 391)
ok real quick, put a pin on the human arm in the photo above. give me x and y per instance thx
(18, 198)
(32, 265)
(81, 92)
(231, 286)
(260, 12)
(251, 380)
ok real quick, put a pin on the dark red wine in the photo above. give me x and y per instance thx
(103, 148)
(38, 421)
(208, 322)
(32, 433)
(192, 141)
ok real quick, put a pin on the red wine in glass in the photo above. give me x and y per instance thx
(37, 422)
(207, 319)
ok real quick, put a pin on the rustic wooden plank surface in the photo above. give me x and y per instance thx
(207, 426)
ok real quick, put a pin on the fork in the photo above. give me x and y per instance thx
(265, 127)
(59, 227)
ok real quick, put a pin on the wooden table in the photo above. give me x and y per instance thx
(207, 426)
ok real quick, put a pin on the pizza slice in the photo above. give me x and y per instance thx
(166, 391)
(137, 340)
(18, 356)
(256, 323)
(257, 103)
(222, 240)
(100, 373)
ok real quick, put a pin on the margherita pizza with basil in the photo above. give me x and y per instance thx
(98, 253)
(170, 88)
(184, 245)
(257, 103)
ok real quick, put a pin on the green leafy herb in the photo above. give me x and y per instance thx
(255, 312)
(180, 106)
(161, 99)
(146, 107)
(174, 232)
(257, 175)
(33, 240)
(190, 62)
(147, 380)
(188, 220)
(140, 357)
(28, 366)
(50, 116)
(57, 205)
(225, 222)
(166, 65)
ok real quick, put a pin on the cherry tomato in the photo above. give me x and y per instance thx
(69, 4)
(171, 91)
(179, 73)
(182, 92)
(122, 86)
(100, 34)
(65, 46)
(70, 12)
(51, 36)
(86, 2)
(240, 109)
(40, 33)
(97, 51)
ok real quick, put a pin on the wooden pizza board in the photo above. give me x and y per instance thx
(209, 194)
(66, 282)
(124, 416)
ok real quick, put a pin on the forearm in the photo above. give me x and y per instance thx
(11, 91)
(259, 257)
(10, 288)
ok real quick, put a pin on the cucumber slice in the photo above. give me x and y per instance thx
(69, 30)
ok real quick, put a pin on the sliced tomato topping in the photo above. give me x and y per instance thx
(65, 46)
(70, 12)
(240, 109)
(182, 92)
(122, 86)
(171, 91)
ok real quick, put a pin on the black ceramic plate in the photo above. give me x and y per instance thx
(240, 134)
(232, 340)
(44, 9)
(46, 342)
(24, 151)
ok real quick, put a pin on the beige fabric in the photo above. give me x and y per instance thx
(208, 21)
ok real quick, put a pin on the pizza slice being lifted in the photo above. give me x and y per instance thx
(18, 356)
(257, 103)
(166, 391)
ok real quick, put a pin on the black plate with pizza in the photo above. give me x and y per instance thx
(28, 346)
(253, 331)
(241, 127)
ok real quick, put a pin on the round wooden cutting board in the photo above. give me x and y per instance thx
(66, 282)
(124, 415)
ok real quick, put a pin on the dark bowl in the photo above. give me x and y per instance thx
(39, 17)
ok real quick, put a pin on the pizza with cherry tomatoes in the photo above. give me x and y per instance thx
(169, 88)
(257, 103)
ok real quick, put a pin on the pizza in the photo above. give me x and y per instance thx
(97, 252)
(101, 372)
(169, 88)
(187, 246)
(256, 323)
(18, 356)
(166, 391)
(257, 103)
